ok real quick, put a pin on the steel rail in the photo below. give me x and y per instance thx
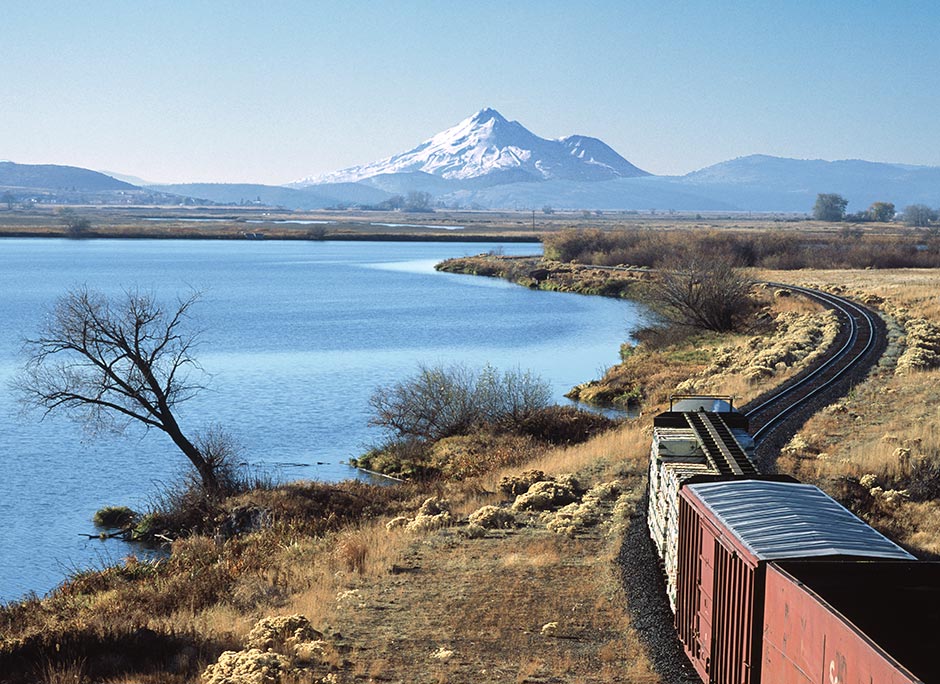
(842, 360)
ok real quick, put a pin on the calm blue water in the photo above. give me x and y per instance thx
(296, 337)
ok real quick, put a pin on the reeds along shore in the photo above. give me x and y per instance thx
(843, 248)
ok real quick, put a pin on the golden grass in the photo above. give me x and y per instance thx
(627, 443)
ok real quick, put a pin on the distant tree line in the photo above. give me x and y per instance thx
(765, 249)
(831, 207)
(414, 201)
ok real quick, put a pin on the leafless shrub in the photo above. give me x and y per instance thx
(441, 401)
(704, 294)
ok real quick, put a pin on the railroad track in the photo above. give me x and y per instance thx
(774, 416)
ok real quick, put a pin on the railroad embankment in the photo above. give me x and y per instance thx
(878, 449)
(506, 575)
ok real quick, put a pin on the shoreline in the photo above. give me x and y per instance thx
(338, 237)
(388, 479)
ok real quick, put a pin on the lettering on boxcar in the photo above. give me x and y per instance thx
(837, 669)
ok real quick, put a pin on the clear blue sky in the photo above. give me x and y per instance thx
(273, 91)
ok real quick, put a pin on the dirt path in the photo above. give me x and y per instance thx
(525, 605)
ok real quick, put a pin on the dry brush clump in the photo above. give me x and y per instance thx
(493, 518)
(794, 342)
(547, 495)
(516, 484)
(596, 504)
(433, 513)
(278, 650)
(560, 502)
(921, 346)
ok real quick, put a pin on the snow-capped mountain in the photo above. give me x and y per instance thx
(487, 145)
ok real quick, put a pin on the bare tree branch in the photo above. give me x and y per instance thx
(98, 358)
(708, 294)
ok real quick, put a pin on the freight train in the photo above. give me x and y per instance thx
(772, 581)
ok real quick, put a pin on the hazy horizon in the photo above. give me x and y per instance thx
(270, 93)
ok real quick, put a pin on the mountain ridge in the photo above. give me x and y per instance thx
(490, 162)
(54, 176)
(487, 161)
(488, 143)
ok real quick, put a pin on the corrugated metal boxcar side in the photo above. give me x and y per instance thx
(718, 587)
(728, 532)
(851, 622)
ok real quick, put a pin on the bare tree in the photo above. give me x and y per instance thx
(110, 362)
(75, 226)
(919, 215)
(436, 402)
(704, 293)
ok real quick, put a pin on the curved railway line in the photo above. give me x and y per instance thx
(774, 416)
(860, 329)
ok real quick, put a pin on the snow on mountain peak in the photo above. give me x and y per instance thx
(487, 143)
(487, 114)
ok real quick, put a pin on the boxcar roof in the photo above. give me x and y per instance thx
(791, 520)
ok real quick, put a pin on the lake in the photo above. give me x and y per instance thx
(296, 336)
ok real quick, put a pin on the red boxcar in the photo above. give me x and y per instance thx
(851, 622)
(728, 532)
